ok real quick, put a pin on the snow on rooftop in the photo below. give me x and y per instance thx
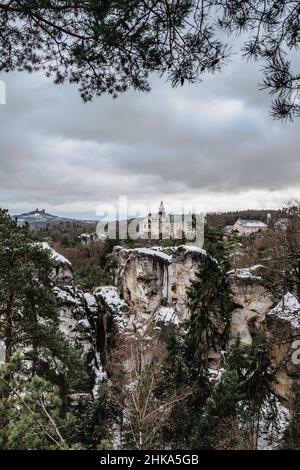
(288, 309)
(54, 255)
(167, 315)
(252, 223)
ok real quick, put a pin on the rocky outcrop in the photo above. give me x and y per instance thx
(151, 292)
(144, 281)
(63, 271)
(252, 300)
(152, 286)
(152, 289)
(78, 311)
(86, 318)
(282, 328)
(256, 316)
(74, 310)
(151, 279)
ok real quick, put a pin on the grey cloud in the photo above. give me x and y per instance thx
(216, 137)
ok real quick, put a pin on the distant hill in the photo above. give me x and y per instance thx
(41, 217)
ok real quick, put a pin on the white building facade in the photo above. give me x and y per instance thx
(248, 227)
(164, 226)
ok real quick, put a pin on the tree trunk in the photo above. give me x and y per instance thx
(8, 330)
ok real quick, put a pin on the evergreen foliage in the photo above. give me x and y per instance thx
(90, 277)
(187, 408)
(109, 46)
(31, 412)
(41, 368)
(95, 421)
(209, 306)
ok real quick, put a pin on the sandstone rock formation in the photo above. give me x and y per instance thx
(151, 289)
(252, 300)
(150, 279)
(152, 286)
(282, 328)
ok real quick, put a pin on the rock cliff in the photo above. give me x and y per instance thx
(150, 280)
(258, 314)
(151, 288)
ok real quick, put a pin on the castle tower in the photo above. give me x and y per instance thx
(162, 210)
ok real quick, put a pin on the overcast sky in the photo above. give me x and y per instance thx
(214, 145)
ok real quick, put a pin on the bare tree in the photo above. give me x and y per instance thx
(137, 371)
(229, 435)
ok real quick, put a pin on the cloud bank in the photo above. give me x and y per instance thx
(214, 144)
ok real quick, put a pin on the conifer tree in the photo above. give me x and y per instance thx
(223, 403)
(31, 413)
(28, 309)
(209, 306)
(256, 376)
(109, 46)
(37, 361)
(188, 348)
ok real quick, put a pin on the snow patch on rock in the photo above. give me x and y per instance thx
(54, 255)
(100, 374)
(91, 302)
(272, 427)
(288, 309)
(167, 315)
(193, 249)
(65, 297)
(111, 296)
(247, 273)
(150, 252)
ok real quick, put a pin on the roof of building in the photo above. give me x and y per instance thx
(252, 223)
